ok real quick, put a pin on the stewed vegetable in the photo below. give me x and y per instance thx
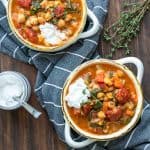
(111, 103)
(47, 22)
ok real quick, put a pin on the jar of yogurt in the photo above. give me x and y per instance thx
(15, 91)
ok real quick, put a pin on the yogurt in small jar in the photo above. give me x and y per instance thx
(13, 90)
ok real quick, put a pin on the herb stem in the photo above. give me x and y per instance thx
(121, 32)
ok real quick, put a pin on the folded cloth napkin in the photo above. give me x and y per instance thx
(54, 68)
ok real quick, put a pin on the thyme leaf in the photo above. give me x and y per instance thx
(121, 33)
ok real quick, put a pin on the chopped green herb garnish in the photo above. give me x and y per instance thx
(94, 93)
(95, 125)
(54, 21)
(84, 91)
(69, 4)
(35, 7)
(97, 105)
(111, 73)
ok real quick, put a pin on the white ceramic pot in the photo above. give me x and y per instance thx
(92, 137)
(78, 35)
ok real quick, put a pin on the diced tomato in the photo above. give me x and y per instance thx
(17, 25)
(31, 35)
(100, 77)
(122, 95)
(86, 108)
(59, 11)
(76, 111)
(114, 114)
(25, 3)
(102, 85)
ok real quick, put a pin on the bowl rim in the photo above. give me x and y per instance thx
(123, 130)
(40, 48)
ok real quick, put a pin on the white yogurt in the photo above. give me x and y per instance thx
(78, 93)
(51, 34)
(10, 87)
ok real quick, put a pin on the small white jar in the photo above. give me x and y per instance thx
(19, 97)
(21, 82)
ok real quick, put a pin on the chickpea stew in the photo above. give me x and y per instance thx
(110, 100)
(46, 23)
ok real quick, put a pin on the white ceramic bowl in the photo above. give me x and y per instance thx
(92, 137)
(78, 34)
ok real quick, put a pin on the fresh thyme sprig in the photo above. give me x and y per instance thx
(120, 33)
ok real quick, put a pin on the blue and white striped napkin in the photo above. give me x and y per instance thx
(54, 68)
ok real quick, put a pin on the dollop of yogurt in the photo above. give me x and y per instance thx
(51, 34)
(10, 87)
(77, 93)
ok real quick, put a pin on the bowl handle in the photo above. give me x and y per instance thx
(137, 62)
(73, 143)
(94, 28)
(5, 3)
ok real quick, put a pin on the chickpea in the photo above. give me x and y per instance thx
(65, 4)
(106, 98)
(57, 3)
(51, 3)
(100, 95)
(61, 23)
(118, 83)
(101, 122)
(106, 129)
(129, 112)
(99, 71)
(101, 115)
(44, 3)
(46, 43)
(27, 12)
(33, 20)
(69, 32)
(111, 104)
(110, 89)
(40, 38)
(109, 95)
(133, 95)
(41, 20)
(120, 73)
(74, 23)
(21, 18)
(21, 10)
(98, 67)
(108, 81)
(28, 23)
(48, 16)
(129, 105)
(41, 14)
(95, 86)
(68, 17)
(35, 28)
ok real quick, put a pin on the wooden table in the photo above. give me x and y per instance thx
(19, 131)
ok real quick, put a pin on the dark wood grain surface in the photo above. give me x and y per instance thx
(19, 131)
